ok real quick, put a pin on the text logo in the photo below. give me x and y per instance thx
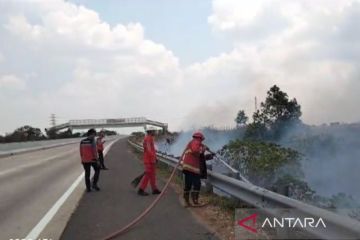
(251, 218)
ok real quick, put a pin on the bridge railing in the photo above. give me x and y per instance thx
(338, 227)
(64, 125)
(109, 122)
(159, 124)
(136, 120)
(87, 122)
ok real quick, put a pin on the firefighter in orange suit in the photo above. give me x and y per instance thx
(100, 148)
(89, 158)
(190, 159)
(149, 163)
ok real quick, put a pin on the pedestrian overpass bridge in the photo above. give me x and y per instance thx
(109, 123)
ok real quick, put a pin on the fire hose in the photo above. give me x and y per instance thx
(146, 211)
(149, 208)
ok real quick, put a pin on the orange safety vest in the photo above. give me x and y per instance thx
(88, 150)
(191, 156)
(100, 144)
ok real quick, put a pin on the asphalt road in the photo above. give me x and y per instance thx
(101, 213)
(31, 183)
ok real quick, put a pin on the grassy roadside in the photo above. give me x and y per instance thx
(219, 212)
(217, 215)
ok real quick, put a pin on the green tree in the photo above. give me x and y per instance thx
(276, 115)
(241, 118)
(262, 163)
(25, 133)
(109, 132)
(53, 134)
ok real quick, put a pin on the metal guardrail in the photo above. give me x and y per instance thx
(14, 152)
(338, 227)
(234, 171)
(34, 149)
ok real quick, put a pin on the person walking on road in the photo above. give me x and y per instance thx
(191, 159)
(89, 158)
(149, 163)
(100, 148)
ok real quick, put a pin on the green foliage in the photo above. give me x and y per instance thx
(262, 163)
(343, 201)
(278, 107)
(275, 116)
(255, 130)
(241, 118)
(109, 132)
(295, 187)
(59, 135)
(137, 136)
(24, 133)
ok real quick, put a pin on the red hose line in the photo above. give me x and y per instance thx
(146, 211)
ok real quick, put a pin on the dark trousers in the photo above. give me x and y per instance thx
(101, 159)
(192, 181)
(87, 167)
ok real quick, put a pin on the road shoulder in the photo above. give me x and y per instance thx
(102, 213)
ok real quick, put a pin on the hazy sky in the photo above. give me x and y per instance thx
(188, 63)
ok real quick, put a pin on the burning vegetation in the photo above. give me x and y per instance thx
(279, 152)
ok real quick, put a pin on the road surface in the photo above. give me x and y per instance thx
(101, 213)
(31, 183)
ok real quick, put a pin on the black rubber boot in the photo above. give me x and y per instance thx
(95, 187)
(187, 198)
(195, 197)
(197, 194)
(142, 192)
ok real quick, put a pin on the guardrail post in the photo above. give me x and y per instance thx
(208, 188)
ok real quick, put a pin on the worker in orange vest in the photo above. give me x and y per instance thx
(191, 158)
(149, 163)
(89, 158)
(100, 148)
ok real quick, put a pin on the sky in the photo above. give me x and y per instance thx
(188, 63)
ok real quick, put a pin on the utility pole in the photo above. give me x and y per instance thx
(53, 120)
(256, 107)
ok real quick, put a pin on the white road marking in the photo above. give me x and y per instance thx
(35, 232)
(22, 167)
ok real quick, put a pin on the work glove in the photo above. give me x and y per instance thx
(209, 156)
